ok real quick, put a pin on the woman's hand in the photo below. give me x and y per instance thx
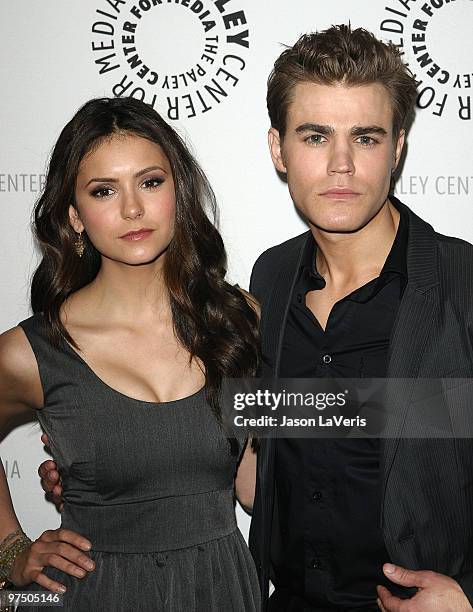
(60, 548)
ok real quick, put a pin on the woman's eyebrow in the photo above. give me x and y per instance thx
(114, 180)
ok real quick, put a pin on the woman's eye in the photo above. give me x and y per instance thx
(152, 183)
(102, 192)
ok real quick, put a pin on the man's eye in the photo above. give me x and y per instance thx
(152, 183)
(102, 192)
(315, 139)
(367, 141)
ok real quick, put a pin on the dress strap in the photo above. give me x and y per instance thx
(56, 365)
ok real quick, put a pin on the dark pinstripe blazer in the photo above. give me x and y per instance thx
(427, 500)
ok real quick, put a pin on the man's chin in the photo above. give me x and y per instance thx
(342, 223)
(338, 227)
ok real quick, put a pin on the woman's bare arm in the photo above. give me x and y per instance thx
(245, 480)
(20, 392)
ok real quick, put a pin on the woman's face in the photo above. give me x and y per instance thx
(125, 200)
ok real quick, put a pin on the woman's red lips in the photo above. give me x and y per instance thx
(137, 234)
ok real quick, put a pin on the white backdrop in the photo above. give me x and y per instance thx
(203, 64)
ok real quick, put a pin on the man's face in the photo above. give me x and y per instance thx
(338, 153)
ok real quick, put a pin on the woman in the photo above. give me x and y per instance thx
(134, 329)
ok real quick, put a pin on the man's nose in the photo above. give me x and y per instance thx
(341, 160)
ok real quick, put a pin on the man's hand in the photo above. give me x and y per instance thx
(50, 480)
(436, 592)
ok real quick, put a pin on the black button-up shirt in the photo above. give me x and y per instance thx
(328, 551)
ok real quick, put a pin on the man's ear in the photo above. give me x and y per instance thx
(274, 142)
(74, 220)
(398, 148)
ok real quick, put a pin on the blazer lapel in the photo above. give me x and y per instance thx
(417, 312)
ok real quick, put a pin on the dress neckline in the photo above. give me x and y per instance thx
(184, 399)
(181, 400)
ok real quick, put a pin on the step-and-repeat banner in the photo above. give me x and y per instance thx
(203, 65)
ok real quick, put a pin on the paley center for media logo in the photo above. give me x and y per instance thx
(435, 37)
(21, 182)
(183, 57)
(11, 468)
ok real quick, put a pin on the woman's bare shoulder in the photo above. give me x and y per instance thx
(19, 376)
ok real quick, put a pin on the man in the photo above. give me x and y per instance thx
(372, 291)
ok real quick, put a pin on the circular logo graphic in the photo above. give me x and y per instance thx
(435, 36)
(183, 57)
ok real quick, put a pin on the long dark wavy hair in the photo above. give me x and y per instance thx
(212, 319)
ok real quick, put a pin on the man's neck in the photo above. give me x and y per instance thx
(351, 260)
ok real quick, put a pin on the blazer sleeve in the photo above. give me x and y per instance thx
(465, 580)
(261, 275)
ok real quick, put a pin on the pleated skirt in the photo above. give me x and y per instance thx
(216, 576)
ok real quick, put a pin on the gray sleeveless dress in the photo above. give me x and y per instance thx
(150, 485)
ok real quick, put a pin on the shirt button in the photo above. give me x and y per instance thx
(327, 358)
(315, 564)
(317, 496)
(299, 298)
